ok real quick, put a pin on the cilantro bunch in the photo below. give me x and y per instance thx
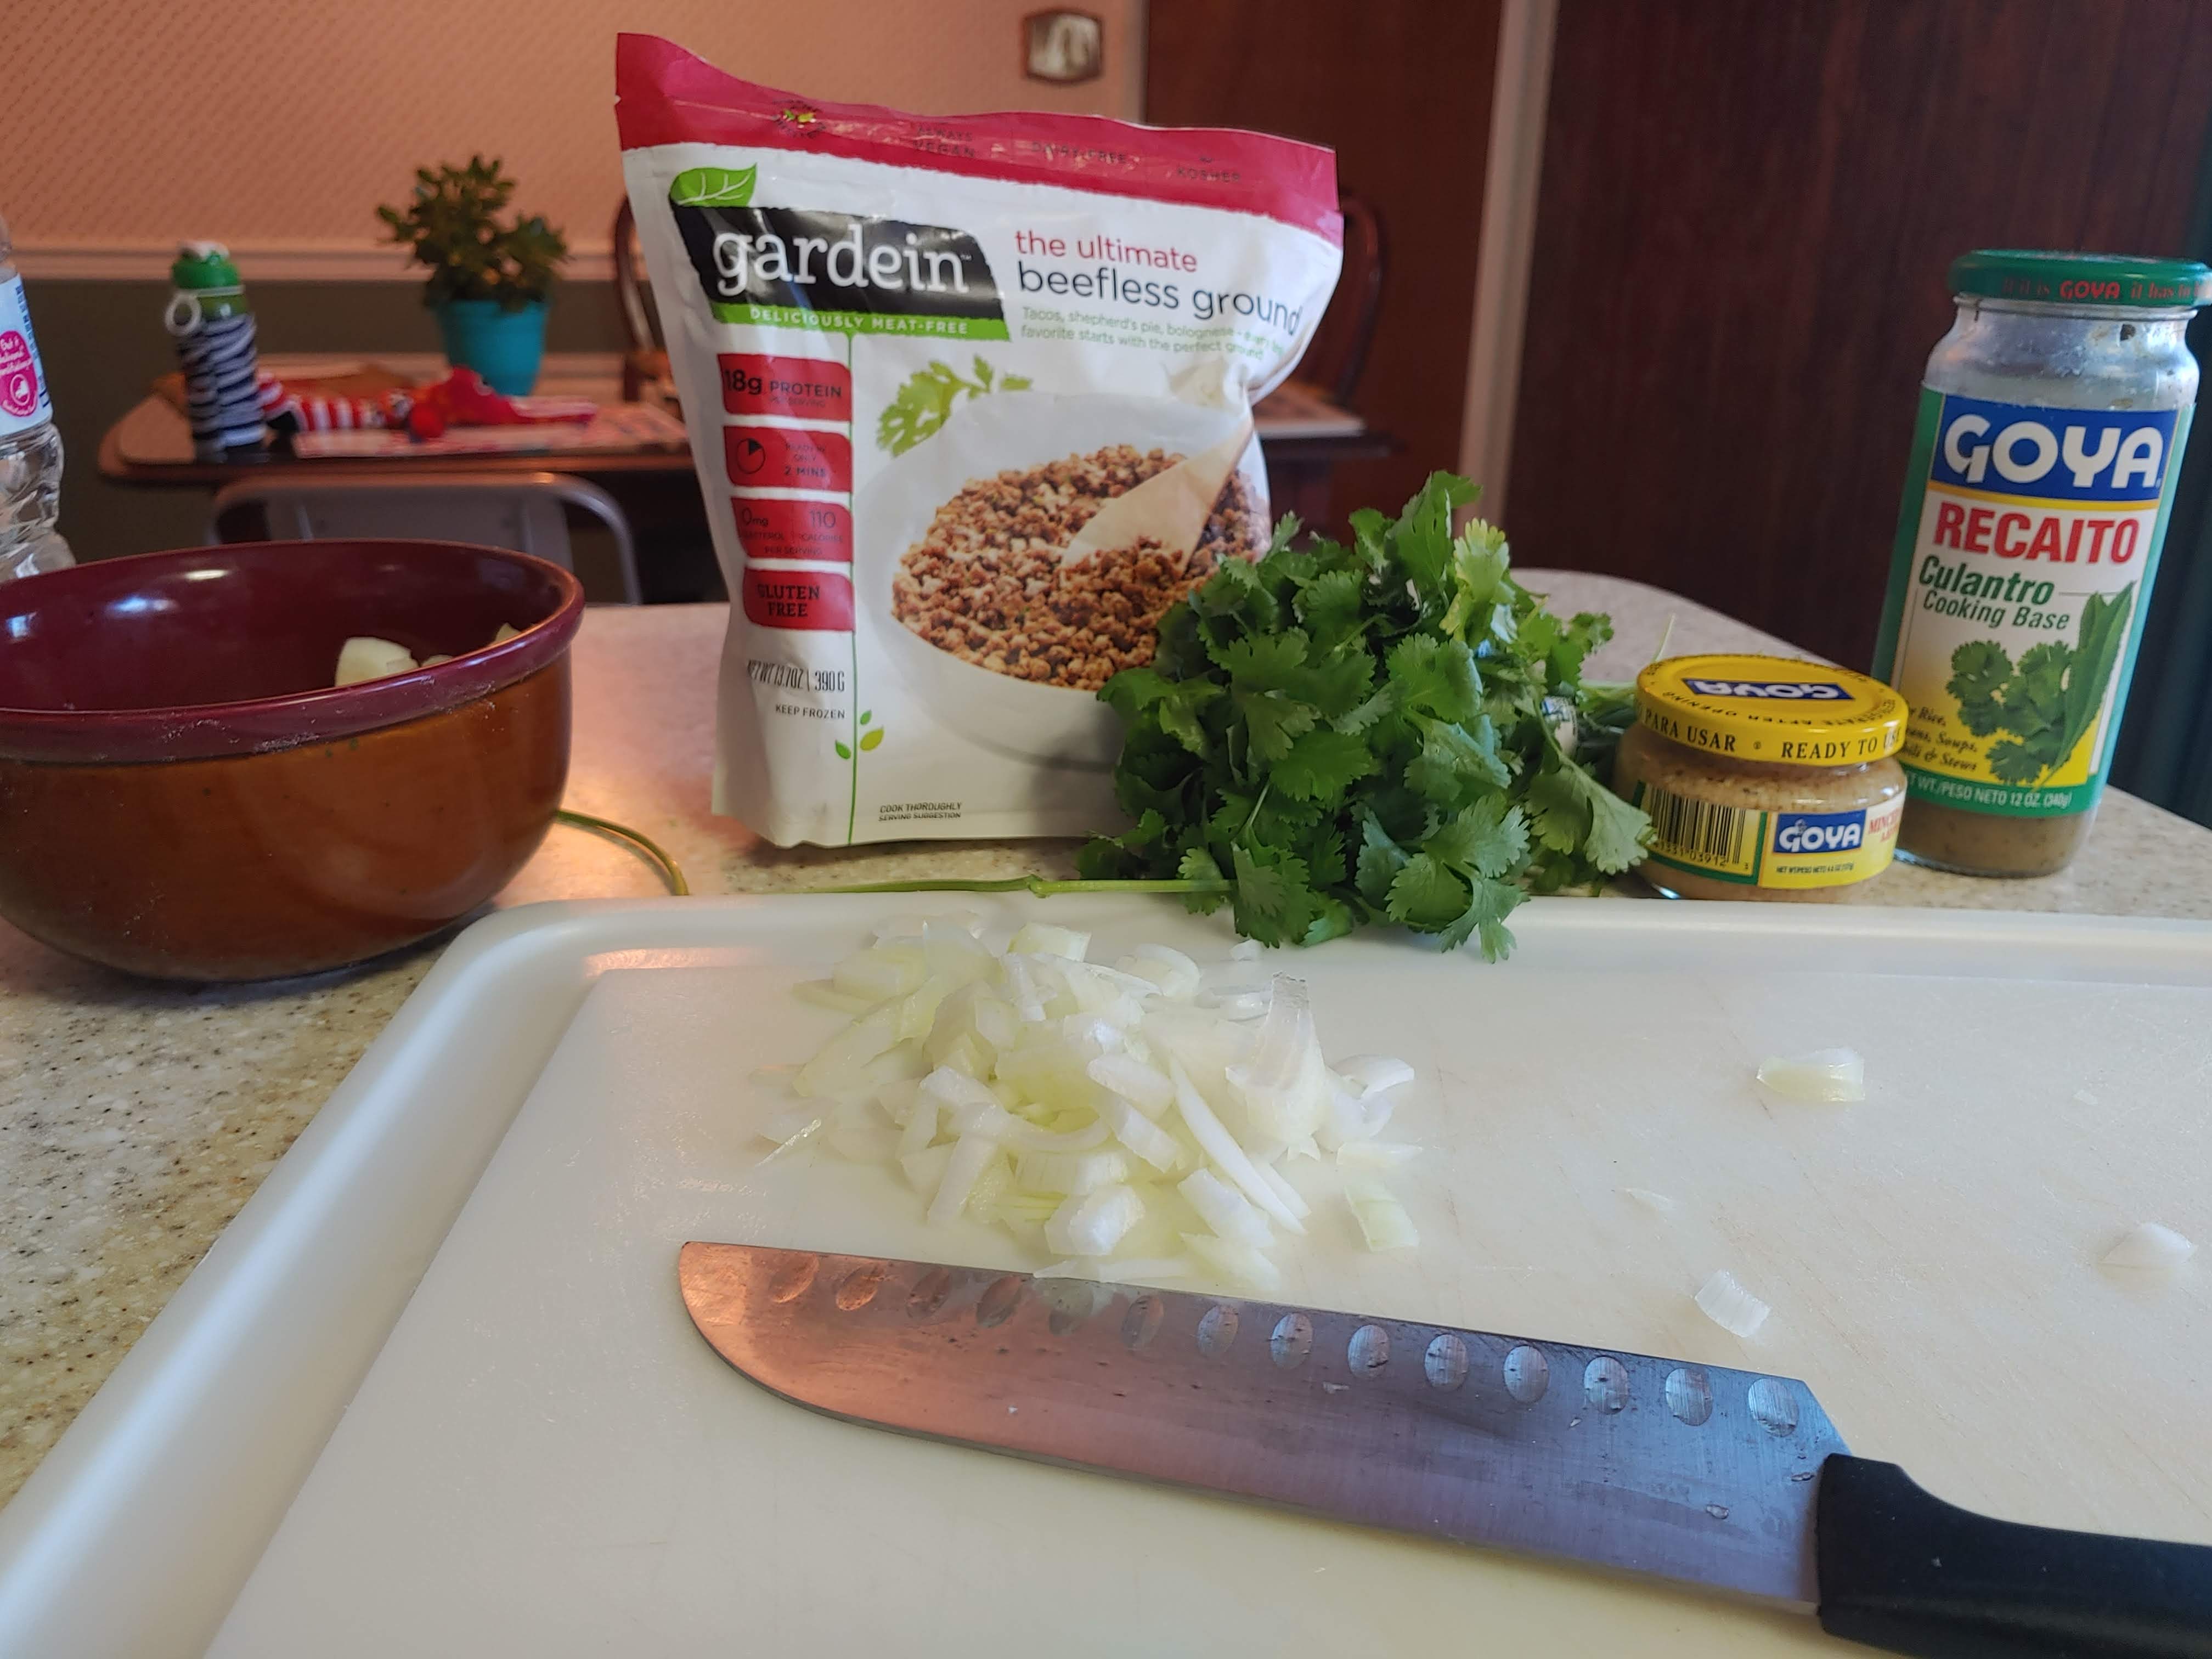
(2047, 701)
(1340, 734)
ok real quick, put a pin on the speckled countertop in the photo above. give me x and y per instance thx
(135, 1120)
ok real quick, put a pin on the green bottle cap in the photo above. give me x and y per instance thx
(204, 264)
(2088, 279)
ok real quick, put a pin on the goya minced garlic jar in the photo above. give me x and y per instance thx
(1764, 777)
(2052, 418)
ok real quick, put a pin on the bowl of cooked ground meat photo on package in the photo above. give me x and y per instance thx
(1005, 586)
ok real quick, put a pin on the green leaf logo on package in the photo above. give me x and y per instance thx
(713, 187)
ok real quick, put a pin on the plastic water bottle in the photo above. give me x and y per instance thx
(214, 330)
(30, 448)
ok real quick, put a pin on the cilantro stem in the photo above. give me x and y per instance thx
(1043, 887)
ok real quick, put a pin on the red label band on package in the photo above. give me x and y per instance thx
(778, 528)
(798, 388)
(778, 458)
(809, 601)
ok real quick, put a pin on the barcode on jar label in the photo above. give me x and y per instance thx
(1702, 835)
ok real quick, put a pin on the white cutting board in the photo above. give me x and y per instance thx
(545, 1457)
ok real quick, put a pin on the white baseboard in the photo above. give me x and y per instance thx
(261, 262)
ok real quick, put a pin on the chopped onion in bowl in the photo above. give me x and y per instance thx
(2150, 1245)
(1731, 1307)
(1091, 1110)
(1825, 1074)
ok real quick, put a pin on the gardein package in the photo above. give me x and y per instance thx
(970, 401)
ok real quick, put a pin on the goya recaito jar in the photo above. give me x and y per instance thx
(1764, 777)
(2052, 419)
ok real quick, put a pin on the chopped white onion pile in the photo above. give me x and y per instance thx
(1731, 1307)
(1130, 1120)
(2150, 1245)
(1824, 1074)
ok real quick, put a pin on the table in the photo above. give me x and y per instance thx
(136, 1119)
(1303, 434)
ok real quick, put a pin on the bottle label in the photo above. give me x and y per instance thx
(2025, 550)
(23, 401)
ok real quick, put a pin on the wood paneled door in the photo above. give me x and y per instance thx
(1747, 212)
(1400, 89)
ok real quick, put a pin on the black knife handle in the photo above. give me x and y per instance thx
(1902, 1571)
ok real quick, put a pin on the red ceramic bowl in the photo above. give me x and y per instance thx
(183, 795)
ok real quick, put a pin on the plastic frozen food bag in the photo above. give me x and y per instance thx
(970, 401)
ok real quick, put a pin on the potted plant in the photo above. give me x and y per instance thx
(489, 282)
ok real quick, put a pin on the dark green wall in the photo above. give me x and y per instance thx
(103, 344)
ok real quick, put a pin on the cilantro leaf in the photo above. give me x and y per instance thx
(1488, 838)
(1320, 765)
(1489, 903)
(1426, 893)
(1272, 722)
(1436, 677)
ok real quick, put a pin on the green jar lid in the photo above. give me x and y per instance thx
(2088, 279)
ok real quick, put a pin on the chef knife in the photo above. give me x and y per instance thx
(1733, 1480)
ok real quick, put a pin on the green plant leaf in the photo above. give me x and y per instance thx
(870, 739)
(843, 753)
(867, 714)
(713, 186)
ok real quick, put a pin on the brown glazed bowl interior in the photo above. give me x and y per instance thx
(184, 794)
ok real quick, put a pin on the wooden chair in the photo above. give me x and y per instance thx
(645, 357)
(1333, 362)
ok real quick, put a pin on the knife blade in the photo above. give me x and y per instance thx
(1729, 1480)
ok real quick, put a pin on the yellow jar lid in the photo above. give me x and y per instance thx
(1773, 710)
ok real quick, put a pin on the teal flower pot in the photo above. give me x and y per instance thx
(503, 346)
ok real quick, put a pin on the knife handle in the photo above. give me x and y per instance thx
(1905, 1571)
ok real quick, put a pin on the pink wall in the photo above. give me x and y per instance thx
(129, 124)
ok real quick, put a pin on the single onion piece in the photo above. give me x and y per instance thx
(2150, 1245)
(1238, 1002)
(896, 1101)
(881, 972)
(1285, 1086)
(1140, 1134)
(1731, 1307)
(919, 1128)
(1305, 1146)
(969, 1154)
(1246, 950)
(365, 658)
(825, 994)
(1294, 1201)
(1221, 1147)
(1092, 1224)
(1224, 1209)
(1379, 1156)
(1382, 1220)
(1022, 988)
(1649, 1200)
(924, 1171)
(1824, 1074)
(1175, 974)
(1149, 1092)
(1371, 1074)
(1039, 939)
(1244, 1264)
